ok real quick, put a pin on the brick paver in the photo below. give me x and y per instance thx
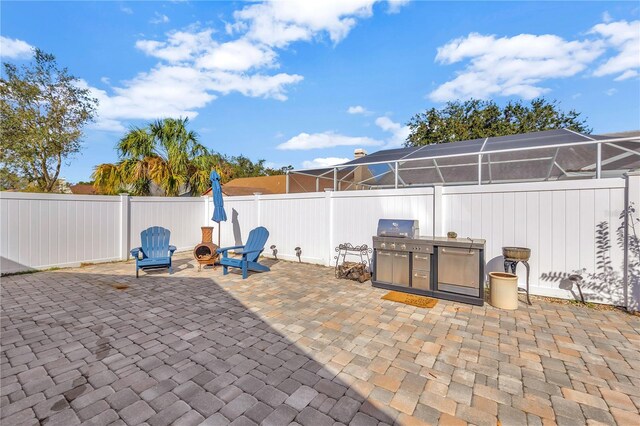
(297, 345)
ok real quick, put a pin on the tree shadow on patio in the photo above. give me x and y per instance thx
(174, 345)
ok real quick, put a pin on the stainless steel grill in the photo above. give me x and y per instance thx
(441, 267)
(398, 228)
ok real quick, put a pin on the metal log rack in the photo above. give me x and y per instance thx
(347, 249)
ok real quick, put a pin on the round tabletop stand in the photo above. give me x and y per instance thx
(511, 264)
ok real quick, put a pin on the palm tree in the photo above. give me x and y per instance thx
(164, 153)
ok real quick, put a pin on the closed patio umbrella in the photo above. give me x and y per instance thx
(219, 215)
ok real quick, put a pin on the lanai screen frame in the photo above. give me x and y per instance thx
(589, 140)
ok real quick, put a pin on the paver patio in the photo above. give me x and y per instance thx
(297, 345)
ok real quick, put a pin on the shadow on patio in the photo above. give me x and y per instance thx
(295, 344)
(80, 346)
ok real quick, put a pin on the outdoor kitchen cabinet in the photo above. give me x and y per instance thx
(393, 267)
(445, 268)
(458, 270)
(384, 266)
(421, 271)
(401, 269)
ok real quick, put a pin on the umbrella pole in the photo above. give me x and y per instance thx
(218, 234)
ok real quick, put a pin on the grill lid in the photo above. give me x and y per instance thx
(401, 228)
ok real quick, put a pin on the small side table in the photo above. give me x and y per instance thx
(511, 264)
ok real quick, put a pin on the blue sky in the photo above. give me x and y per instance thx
(307, 83)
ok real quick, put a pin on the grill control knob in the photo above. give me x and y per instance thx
(403, 247)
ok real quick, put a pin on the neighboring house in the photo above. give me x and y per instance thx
(83, 189)
(63, 186)
(297, 183)
(251, 185)
(272, 185)
(266, 185)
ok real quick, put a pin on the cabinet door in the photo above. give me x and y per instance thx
(384, 266)
(401, 269)
(458, 270)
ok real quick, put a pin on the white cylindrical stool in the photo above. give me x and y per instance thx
(504, 290)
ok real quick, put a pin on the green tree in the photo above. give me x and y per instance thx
(42, 112)
(474, 119)
(163, 153)
(11, 180)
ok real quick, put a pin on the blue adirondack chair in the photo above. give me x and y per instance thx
(155, 251)
(250, 253)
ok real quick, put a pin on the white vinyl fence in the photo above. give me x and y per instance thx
(50, 230)
(569, 226)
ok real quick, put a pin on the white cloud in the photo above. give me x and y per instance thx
(306, 141)
(626, 75)
(237, 55)
(610, 92)
(511, 65)
(399, 133)
(256, 85)
(12, 48)
(162, 92)
(278, 23)
(194, 69)
(323, 162)
(357, 110)
(127, 10)
(159, 18)
(196, 65)
(519, 65)
(624, 37)
(396, 5)
(179, 46)
(172, 91)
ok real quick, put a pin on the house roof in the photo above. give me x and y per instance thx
(83, 189)
(248, 186)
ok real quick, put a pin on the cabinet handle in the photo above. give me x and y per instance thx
(384, 254)
(422, 257)
(420, 276)
(461, 251)
(401, 255)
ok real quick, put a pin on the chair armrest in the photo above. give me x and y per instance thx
(224, 249)
(135, 252)
(171, 250)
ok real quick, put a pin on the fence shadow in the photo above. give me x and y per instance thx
(237, 232)
(605, 279)
(494, 265)
(9, 266)
(169, 337)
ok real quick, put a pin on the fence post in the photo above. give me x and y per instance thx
(256, 196)
(328, 194)
(207, 217)
(438, 211)
(632, 240)
(124, 226)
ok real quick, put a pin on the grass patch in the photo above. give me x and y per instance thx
(30, 271)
